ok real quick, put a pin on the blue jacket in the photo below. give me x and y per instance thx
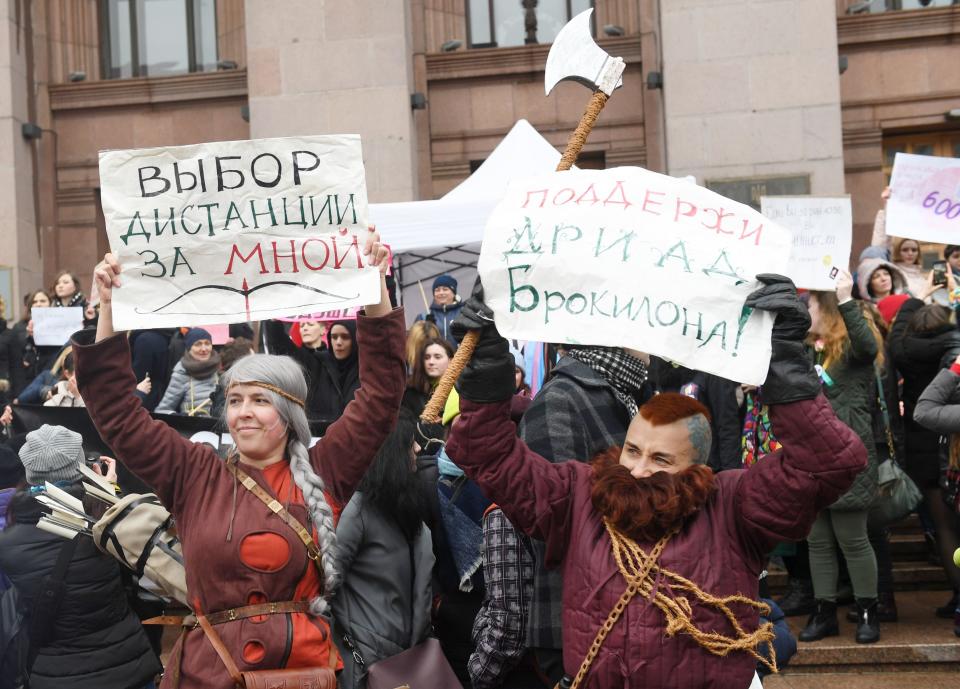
(444, 316)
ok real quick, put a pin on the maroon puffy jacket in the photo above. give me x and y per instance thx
(722, 549)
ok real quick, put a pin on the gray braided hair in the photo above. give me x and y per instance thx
(284, 373)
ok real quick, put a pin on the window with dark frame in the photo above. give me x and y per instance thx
(503, 23)
(141, 38)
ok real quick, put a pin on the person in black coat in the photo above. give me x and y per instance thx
(333, 374)
(95, 641)
(8, 362)
(149, 352)
(717, 394)
(33, 358)
(923, 341)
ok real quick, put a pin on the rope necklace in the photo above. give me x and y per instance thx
(640, 571)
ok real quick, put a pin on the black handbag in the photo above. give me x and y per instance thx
(899, 495)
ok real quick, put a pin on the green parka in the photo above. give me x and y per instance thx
(852, 392)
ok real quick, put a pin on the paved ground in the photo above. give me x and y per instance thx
(918, 651)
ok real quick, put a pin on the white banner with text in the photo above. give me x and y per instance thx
(631, 258)
(237, 230)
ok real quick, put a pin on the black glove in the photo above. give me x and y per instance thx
(489, 377)
(791, 376)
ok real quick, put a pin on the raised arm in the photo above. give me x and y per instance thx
(152, 450)
(880, 237)
(779, 497)
(351, 442)
(863, 345)
(483, 440)
(278, 342)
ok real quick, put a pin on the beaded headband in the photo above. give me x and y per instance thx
(273, 388)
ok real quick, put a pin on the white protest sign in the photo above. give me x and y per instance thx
(627, 257)
(822, 228)
(237, 230)
(53, 326)
(924, 199)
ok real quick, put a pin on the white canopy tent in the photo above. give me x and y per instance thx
(430, 238)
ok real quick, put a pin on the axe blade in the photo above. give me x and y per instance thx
(574, 55)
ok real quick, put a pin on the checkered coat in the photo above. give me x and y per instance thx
(575, 416)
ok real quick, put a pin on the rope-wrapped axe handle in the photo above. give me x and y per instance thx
(580, 134)
(431, 413)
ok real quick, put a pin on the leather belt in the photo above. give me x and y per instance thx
(232, 614)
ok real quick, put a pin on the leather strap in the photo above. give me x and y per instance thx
(217, 642)
(233, 614)
(221, 650)
(257, 610)
(171, 620)
(313, 552)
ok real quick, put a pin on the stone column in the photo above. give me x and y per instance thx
(337, 67)
(19, 239)
(752, 90)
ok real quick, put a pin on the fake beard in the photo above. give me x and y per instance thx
(647, 508)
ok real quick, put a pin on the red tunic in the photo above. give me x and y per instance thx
(263, 560)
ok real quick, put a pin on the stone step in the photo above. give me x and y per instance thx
(907, 576)
(866, 680)
(918, 643)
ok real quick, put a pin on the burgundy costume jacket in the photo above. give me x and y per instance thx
(193, 483)
(722, 548)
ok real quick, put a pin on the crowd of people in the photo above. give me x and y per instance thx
(613, 529)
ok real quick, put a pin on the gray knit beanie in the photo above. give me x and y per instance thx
(52, 453)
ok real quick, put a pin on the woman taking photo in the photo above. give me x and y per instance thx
(845, 346)
(385, 559)
(260, 575)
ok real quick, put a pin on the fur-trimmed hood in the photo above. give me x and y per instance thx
(866, 269)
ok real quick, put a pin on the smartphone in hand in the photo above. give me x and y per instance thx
(940, 273)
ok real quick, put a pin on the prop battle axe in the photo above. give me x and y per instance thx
(574, 56)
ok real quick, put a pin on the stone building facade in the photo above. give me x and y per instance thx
(749, 96)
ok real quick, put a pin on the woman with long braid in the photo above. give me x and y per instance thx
(248, 565)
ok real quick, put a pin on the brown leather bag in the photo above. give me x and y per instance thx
(291, 678)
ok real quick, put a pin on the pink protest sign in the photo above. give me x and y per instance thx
(219, 333)
(924, 198)
(347, 314)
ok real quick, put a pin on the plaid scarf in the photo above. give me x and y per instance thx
(625, 373)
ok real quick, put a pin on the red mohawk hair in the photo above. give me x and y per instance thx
(668, 407)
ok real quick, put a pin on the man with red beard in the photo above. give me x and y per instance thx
(660, 558)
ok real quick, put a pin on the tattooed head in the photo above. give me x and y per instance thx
(671, 433)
